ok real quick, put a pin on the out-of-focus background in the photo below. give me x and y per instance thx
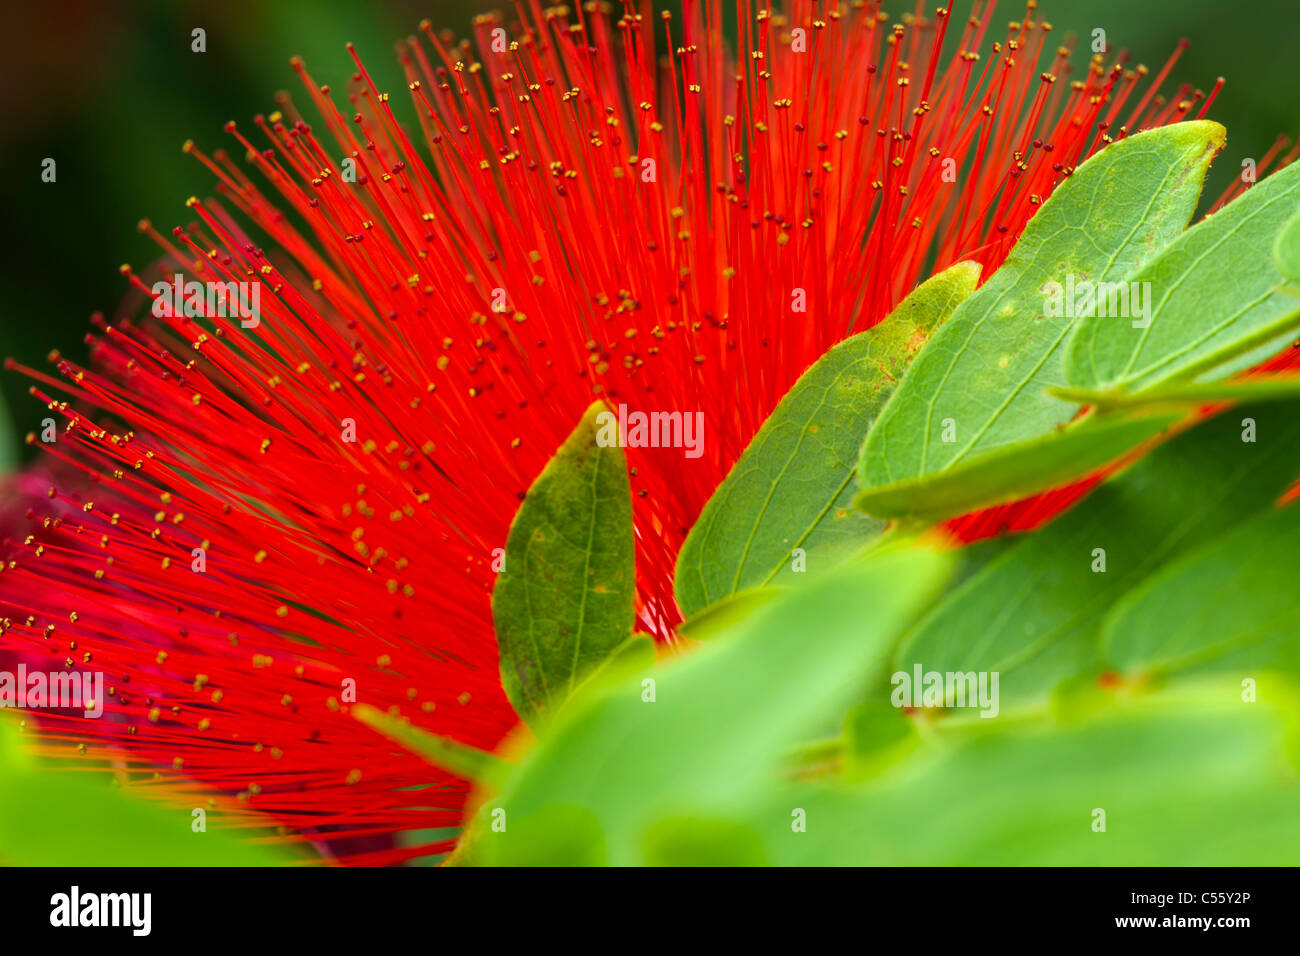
(110, 90)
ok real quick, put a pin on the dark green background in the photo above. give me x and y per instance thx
(110, 91)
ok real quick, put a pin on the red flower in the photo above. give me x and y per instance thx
(582, 220)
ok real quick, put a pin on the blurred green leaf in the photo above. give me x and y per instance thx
(711, 728)
(1190, 778)
(563, 601)
(793, 486)
(876, 735)
(1217, 295)
(1033, 612)
(559, 834)
(981, 382)
(65, 817)
(635, 656)
(723, 615)
(698, 841)
(1228, 606)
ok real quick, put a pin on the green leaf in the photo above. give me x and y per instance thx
(715, 724)
(1033, 612)
(1228, 606)
(1017, 471)
(64, 817)
(560, 834)
(1286, 250)
(1192, 778)
(636, 656)
(876, 735)
(451, 755)
(793, 486)
(564, 599)
(697, 841)
(1190, 395)
(1218, 295)
(980, 386)
(723, 615)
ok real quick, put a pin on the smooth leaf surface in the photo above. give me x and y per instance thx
(1230, 606)
(636, 655)
(1194, 778)
(76, 818)
(698, 841)
(1286, 250)
(564, 599)
(1017, 471)
(876, 735)
(793, 486)
(723, 615)
(1218, 294)
(720, 721)
(1033, 612)
(980, 386)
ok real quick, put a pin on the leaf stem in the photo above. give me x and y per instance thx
(451, 755)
